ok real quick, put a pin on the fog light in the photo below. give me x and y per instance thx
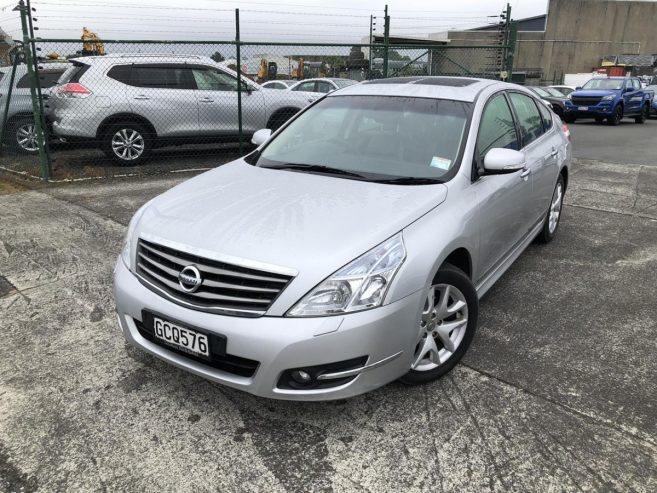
(301, 377)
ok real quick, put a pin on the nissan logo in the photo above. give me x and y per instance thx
(190, 279)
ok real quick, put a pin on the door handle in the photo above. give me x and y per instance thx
(554, 153)
(525, 173)
(206, 100)
(141, 96)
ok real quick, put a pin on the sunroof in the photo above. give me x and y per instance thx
(447, 81)
(394, 80)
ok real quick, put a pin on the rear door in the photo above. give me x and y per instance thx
(163, 94)
(540, 154)
(216, 93)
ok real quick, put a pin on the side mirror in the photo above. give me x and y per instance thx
(261, 136)
(578, 88)
(501, 161)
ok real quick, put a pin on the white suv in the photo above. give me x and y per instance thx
(129, 104)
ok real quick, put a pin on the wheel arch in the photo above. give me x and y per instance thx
(121, 118)
(460, 258)
(292, 110)
(564, 175)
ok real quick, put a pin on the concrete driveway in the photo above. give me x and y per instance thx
(557, 392)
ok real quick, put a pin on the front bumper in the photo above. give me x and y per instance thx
(386, 336)
(603, 109)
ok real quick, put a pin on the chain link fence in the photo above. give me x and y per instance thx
(151, 107)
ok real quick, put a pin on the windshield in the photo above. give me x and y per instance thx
(555, 92)
(608, 84)
(344, 82)
(652, 88)
(541, 92)
(375, 137)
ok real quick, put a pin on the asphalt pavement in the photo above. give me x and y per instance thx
(557, 392)
(629, 142)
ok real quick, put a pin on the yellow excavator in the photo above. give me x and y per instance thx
(91, 43)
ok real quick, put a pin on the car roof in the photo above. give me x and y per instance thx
(453, 88)
(144, 58)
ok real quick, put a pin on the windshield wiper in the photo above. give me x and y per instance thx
(409, 180)
(316, 168)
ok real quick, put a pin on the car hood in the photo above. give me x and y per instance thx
(593, 93)
(276, 218)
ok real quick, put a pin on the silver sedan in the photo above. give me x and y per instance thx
(352, 247)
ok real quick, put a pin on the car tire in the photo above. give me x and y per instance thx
(553, 215)
(128, 144)
(617, 116)
(448, 318)
(22, 136)
(279, 118)
(645, 114)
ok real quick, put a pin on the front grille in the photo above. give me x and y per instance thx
(229, 363)
(226, 288)
(586, 101)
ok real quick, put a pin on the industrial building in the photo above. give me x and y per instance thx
(574, 36)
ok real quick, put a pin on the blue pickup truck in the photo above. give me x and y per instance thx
(611, 99)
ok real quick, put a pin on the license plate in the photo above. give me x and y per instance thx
(583, 108)
(181, 337)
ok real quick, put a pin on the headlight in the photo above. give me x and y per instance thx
(360, 285)
(611, 97)
(126, 253)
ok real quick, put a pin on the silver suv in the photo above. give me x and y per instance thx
(19, 134)
(130, 104)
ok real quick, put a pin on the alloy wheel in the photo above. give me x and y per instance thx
(443, 326)
(26, 137)
(128, 144)
(555, 208)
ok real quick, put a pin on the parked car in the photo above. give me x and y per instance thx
(278, 84)
(352, 246)
(610, 98)
(653, 108)
(557, 103)
(323, 85)
(20, 134)
(565, 90)
(130, 104)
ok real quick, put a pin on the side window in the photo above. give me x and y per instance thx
(46, 79)
(120, 73)
(158, 77)
(637, 84)
(213, 80)
(529, 119)
(547, 116)
(323, 86)
(496, 128)
(306, 86)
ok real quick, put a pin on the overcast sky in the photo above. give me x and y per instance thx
(267, 20)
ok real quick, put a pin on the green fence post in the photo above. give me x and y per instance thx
(5, 116)
(239, 77)
(513, 34)
(36, 106)
(386, 42)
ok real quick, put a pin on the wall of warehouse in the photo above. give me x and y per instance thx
(578, 34)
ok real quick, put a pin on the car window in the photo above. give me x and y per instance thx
(47, 78)
(325, 87)
(275, 85)
(305, 86)
(344, 82)
(541, 92)
(73, 74)
(496, 128)
(120, 73)
(547, 116)
(376, 136)
(160, 77)
(213, 80)
(529, 119)
(636, 83)
(555, 92)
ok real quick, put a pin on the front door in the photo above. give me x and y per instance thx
(218, 106)
(502, 199)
